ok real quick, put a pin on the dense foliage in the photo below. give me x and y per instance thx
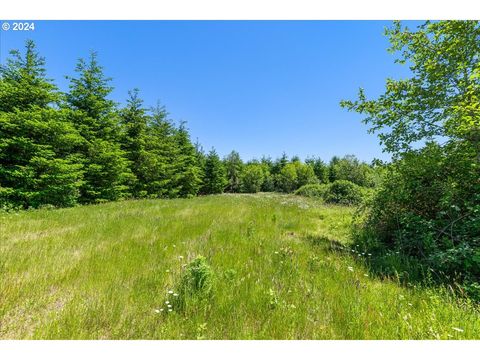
(341, 192)
(62, 149)
(428, 207)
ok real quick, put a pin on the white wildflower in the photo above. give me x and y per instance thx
(350, 268)
(170, 291)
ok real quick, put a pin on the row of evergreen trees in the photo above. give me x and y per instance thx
(76, 147)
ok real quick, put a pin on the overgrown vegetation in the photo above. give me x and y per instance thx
(428, 208)
(282, 266)
(273, 267)
(338, 192)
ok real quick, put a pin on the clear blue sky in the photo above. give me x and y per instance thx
(259, 87)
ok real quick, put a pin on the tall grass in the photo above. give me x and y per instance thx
(277, 270)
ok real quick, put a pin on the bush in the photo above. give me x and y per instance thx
(428, 210)
(196, 284)
(343, 192)
(313, 190)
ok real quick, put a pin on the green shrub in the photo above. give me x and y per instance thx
(312, 190)
(196, 284)
(428, 210)
(343, 192)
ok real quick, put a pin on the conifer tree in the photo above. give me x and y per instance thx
(161, 148)
(107, 174)
(37, 160)
(268, 183)
(24, 84)
(133, 119)
(279, 164)
(215, 177)
(319, 168)
(187, 178)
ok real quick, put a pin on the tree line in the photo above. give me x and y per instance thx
(78, 147)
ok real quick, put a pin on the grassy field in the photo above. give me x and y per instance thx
(104, 272)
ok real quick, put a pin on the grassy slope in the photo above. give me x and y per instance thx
(100, 271)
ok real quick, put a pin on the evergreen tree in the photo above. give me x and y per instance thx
(37, 160)
(332, 175)
(319, 168)
(201, 160)
(161, 148)
(88, 95)
(23, 81)
(187, 177)
(279, 164)
(134, 142)
(233, 165)
(107, 175)
(215, 177)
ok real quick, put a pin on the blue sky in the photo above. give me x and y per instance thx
(259, 87)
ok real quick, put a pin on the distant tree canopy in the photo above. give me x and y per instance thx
(78, 147)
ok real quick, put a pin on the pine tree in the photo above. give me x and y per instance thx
(38, 164)
(215, 177)
(107, 174)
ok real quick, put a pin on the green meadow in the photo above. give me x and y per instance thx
(279, 267)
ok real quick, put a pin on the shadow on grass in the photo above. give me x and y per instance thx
(390, 265)
(325, 243)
